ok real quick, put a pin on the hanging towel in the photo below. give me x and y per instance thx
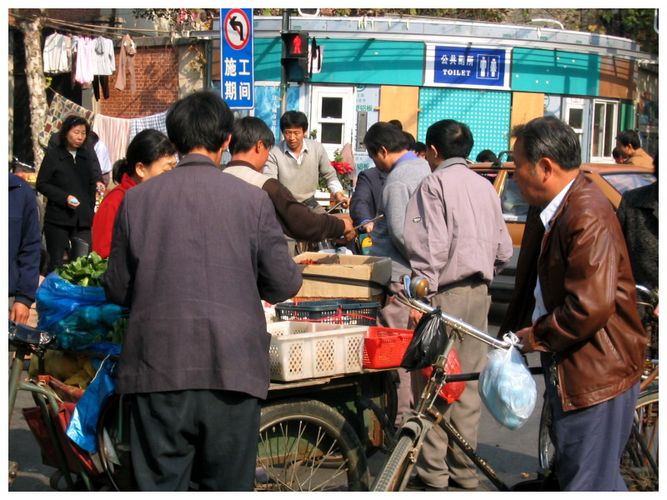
(59, 109)
(158, 122)
(114, 132)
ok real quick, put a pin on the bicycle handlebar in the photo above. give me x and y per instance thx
(456, 323)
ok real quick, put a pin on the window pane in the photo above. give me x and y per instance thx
(609, 139)
(598, 130)
(576, 118)
(332, 133)
(625, 182)
(332, 107)
(515, 208)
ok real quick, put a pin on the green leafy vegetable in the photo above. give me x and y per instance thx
(84, 271)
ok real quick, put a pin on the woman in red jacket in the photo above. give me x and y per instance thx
(149, 154)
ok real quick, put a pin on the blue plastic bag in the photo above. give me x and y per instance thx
(77, 315)
(56, 298)
(82, 427)
(507, 387)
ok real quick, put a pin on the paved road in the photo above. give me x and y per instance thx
(512, 453)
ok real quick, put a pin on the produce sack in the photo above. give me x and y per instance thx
(82, 427)
(77, 315)
(451, 391)
(57, 298)
(506, 386)
(427, 343)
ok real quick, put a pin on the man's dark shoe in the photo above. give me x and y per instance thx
(416, 484)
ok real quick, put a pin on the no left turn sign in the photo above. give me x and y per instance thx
(236, 28)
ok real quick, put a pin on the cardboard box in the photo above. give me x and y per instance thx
(347, 276)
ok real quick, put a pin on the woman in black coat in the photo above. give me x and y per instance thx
(68, 178)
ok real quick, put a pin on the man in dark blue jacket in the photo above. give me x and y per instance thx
(193, 254)
(24, 249)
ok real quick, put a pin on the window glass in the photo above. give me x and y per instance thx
(576, 118)
(625, 181)
(332, 133)
(515, 208)
(332, 107)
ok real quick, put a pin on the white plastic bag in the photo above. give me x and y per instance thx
(506, 386)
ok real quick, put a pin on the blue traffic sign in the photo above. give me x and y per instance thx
(237, 74)
(467, 66)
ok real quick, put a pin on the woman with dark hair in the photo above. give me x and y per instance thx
(149, 154)
(68, 178)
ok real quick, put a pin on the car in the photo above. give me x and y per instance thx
(612, 179)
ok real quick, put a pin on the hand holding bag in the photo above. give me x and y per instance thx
(507, 387)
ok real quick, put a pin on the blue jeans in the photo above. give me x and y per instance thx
(589, 442)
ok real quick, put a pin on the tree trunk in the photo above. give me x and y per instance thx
(34, 71)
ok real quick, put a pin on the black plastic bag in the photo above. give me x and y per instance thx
(428, 342)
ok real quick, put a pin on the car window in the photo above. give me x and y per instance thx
(625, 181)
(515, 208)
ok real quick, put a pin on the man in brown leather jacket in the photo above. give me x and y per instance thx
(585, 320)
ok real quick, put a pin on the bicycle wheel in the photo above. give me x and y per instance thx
(113, 442)
(394, 470)
(639, 464)
(308, 446)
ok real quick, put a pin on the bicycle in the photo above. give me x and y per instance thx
(76, 469)
(639, 464)
(398, 467)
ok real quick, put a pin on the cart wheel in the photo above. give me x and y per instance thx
(308, 446)
(113, 442)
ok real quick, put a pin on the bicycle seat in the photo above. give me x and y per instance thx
(26, 335)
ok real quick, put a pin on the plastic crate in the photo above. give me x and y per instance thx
(281, 328)
(385, 347)
(337, 311)
(297, 354)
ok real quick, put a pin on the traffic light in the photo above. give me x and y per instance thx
(295, 55)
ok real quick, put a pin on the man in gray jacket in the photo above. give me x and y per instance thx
(456, 237)
(388, 147)
(193, 254)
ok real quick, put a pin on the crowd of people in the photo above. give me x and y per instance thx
(192, 254)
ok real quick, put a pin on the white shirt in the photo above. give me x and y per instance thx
(105, 62)
(102, 153)
(545, 216)
(57, 53)
(299, 157)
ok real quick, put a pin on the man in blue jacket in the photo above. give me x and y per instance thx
(194, 252)
(24, 249)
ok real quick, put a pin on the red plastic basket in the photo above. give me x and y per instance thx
(385, 347)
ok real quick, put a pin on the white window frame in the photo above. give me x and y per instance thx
(347, 94)
(604, 158)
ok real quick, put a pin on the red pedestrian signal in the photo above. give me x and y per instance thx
(295, 55)
(295, 44)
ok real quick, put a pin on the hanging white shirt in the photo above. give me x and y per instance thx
(105, 60)
(57, 53)
(85, 59)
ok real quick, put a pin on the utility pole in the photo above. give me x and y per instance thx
(283, 69)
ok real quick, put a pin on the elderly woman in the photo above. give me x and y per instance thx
(68, 178)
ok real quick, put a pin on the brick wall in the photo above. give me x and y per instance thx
(156, 71)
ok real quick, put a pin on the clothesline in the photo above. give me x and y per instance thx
(115, 132)
(91, 28)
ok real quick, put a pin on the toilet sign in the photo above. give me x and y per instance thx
(467, 66)
(237, 78)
